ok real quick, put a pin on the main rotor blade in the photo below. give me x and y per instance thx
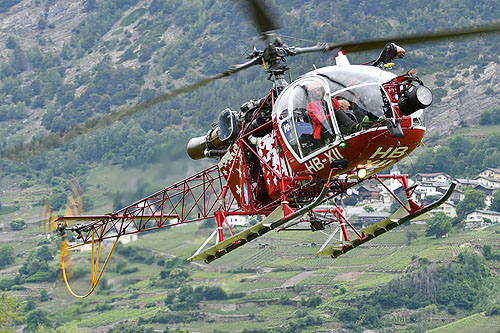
(374, 44)
(55, 140)
(261, 16)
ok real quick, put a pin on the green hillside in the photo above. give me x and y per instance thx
(63, 63)
(148, 285)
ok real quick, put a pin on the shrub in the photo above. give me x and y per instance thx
(18, 224)
(7, 256)
(493, 310)
(41, 277)
(6, 284)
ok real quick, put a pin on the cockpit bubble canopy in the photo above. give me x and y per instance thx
(359, 86)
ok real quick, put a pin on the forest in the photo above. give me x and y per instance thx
(46, 80)
(118, 53)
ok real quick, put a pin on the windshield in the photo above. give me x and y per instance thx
(323, 107)
(305, 118)
(365, 98)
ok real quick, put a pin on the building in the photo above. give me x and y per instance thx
(486, 189)
(463, 183)
(437, 178)
(489, 182)
(490, 173)
(237, 220)
(432, 184)
(427, 189)
(457, 195)
(368, 193)
(482, 216)
(448, 208)
(366, 218)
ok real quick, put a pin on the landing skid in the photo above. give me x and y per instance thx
(400, 217)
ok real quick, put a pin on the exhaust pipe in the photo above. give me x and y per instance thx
(215, 142)
(200, 147)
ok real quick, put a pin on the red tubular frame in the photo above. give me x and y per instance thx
(202, 196)
(193, 199)
(205, 195)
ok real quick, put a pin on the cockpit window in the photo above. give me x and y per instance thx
(362, 100)
(345, 96)
(310, 125)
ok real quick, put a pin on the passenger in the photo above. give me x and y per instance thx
(346, 120)
(363, 118)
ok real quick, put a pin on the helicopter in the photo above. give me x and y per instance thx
(287, 156)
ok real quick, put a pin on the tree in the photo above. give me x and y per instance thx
(368, 208)
(36, 319)
(11, 43)
(411, 235)
(438, 225)
(474, 199)
(10, 312)
(486, 251)
(7, 256)
(18, 224)
(42, 23)
(44, 295)
(18, 59)
(495, 202)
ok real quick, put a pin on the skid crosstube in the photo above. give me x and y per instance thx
(385, 225)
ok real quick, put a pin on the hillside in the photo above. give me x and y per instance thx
(282, 287)
(72, 61)
(64, 62)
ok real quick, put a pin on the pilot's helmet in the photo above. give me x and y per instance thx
(315, 90)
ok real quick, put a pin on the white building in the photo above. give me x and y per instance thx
(237, 220)
(426, 189)
(490, 173)
(488, 182)
(437, 178)
(480, 216)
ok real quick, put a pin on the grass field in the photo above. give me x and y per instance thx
(266, 287)
(475, 323)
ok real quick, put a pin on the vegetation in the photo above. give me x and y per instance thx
(56, 88)
(36, 267)
(11, 312)
(490, 254)
(7, 256)
(495, 202)
(490, 117)
(438, 225)
(474, 199)
(119, 53)
(170, 292)
(7, 209)
(460, 156)
(6, 4)
(463, 283)
(18, 224)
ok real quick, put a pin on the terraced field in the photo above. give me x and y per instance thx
(267, 285)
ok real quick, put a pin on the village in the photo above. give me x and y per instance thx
(371, 202)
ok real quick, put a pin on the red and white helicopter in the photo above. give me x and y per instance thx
(285, 155)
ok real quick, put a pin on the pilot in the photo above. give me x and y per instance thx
(317, 110)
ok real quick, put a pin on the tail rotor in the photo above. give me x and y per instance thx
(50, 225)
